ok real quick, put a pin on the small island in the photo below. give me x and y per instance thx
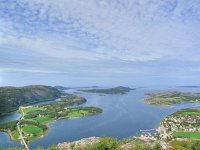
(115, 90)
(34, 119)
(172, 97)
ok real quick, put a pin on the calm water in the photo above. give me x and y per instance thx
(123, 116)
(10, 117)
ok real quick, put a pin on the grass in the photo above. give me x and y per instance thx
(83, 112)
(44, 119)
(77, 113)
(34, 130)
(27, 110)
(194, 135)
(15, 135)
(180, 145)
(74, 114)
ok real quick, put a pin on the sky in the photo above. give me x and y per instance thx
(99, 42)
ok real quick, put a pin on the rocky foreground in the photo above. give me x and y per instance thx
(96, 143)
(78, 144)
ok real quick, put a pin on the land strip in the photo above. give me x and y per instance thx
(33, 123)
(171, 97)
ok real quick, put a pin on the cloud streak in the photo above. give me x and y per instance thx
(98, 36)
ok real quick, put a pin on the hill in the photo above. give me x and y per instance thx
(115, 90)
(172, 97)
(12, 97)
(61, 88)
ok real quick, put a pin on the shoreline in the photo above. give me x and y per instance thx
(45, 132)
(47, 124)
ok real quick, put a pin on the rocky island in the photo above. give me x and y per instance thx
(172, 97)
(115, 90)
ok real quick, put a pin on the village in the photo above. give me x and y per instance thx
(179, 123)
(175, 126)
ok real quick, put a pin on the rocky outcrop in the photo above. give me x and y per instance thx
(78, 144)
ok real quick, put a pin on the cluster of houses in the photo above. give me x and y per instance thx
(148, 135)
(181, 122)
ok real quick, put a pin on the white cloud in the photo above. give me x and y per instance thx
(94, 35)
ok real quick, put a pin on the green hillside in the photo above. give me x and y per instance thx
(12, 97)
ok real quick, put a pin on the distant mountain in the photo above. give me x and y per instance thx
(190, 86)
(61, 87)
(115, 90)
(12, 97)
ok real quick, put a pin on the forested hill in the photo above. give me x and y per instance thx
(115, 90)
(12, 97)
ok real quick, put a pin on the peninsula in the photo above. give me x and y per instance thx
(115, 90)
(172, 97)
(33, 122)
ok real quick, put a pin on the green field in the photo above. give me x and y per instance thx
(15, 135)
(179, 145)
(77, 113)
(33, 130)
(44, 119)
(74, 114)
(193, 135)
(27, 110)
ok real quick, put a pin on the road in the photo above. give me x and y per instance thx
(21, 137)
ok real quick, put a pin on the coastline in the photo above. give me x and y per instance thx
(160, 105)
(10, 135)
(46, 131)
(55, 121)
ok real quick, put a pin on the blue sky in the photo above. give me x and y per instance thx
(100, 42)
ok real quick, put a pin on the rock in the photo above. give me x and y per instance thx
(127, 146)
(81, 143)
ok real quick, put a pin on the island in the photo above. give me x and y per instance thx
(115, 90)
(172, 97)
